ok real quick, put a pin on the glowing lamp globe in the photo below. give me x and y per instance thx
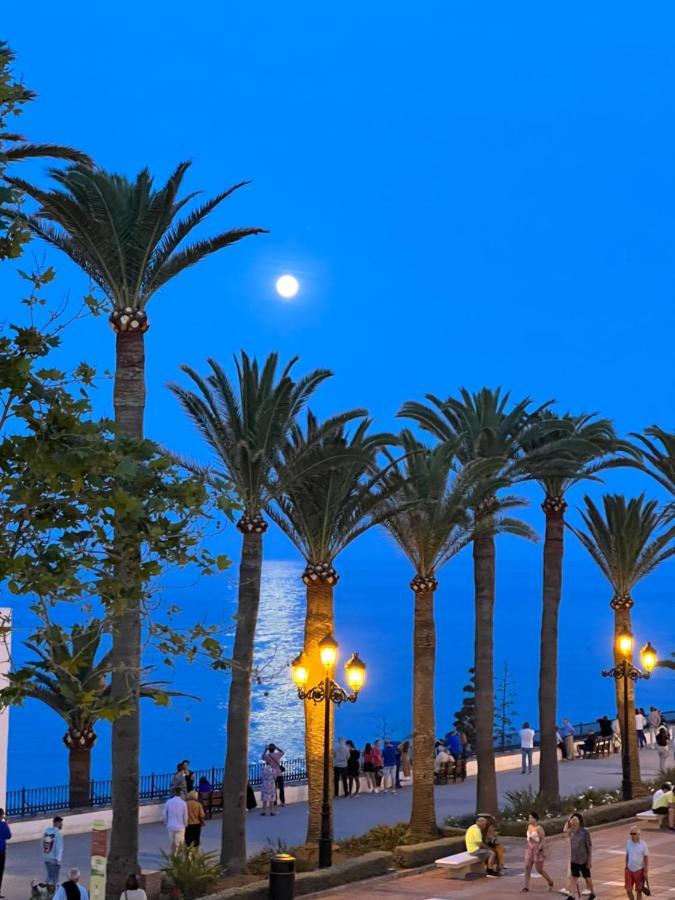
(300, 670)
(625, 643)
(649, 657)
(287, 286)
(328, 648)
(356, 672)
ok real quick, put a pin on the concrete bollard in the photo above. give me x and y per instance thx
(282, 877)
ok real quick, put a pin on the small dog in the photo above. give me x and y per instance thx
(41, 891)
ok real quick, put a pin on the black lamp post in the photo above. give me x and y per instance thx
(623, 671)
(329, 692)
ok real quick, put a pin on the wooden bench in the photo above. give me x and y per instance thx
(460, 865)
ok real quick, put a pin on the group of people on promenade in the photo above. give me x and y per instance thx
(381, 765)
(481, 840)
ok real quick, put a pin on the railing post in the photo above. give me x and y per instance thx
(152, 785)
(23, 801)
(213, 777)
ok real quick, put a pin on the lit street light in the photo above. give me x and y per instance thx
(623, 671)
(329, 692)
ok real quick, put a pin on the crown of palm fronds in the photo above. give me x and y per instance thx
(333, 487)
(247, 425)
(657, 455)
(126, 235)
(627, 539)
(561, 451)
(433, 498)
(481, 426)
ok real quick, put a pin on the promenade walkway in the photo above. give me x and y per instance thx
(353, 816)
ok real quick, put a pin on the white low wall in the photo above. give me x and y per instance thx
(79, 823)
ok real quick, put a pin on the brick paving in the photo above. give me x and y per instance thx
(608, 868)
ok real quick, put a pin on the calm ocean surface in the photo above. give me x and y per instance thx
(374, 617)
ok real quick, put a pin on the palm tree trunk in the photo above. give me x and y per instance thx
(79, 785)
(622, 623)
(235, 778)
(319, 621)
(423, 813)
(549, 785)
(129, 400)
(484, 588)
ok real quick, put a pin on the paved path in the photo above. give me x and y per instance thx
(608, 868)
(353, 816)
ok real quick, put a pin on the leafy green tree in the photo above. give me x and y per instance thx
(487, 427)
(333, 494)
(627, 539)
(128, 238)
(246, 425)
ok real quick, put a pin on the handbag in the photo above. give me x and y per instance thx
(646, 890)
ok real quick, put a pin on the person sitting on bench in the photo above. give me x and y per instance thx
(476, 845)
(663, 803)
(588, 746)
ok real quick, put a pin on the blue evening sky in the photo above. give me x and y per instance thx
(471, 193)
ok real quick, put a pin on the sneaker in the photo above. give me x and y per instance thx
(491, 873)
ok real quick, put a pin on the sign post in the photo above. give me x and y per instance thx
(99, 857)
(5, 662)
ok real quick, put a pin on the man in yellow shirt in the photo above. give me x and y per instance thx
(475, 844)
(663, 804)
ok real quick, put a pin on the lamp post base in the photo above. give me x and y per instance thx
(325, 852)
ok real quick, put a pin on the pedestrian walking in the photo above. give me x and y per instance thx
(663, 747)
(5, 835)
(567, 733)
(273, 755)
(535, 852)
(353, 769)
(195, 821)
(52, 850)
(176, 820)
(640, 725)
(389, 767)
(268, 790)
(132, 890)
(580, 855)
(368, 760)
(405, 759)
(526, 747)
(72, 889)
(637, 865)
(340, 760)
(654, 720)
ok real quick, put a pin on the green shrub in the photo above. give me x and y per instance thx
(386, 837)
(191, 872)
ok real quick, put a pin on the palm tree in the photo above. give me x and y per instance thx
(431, 519)
(67, 677)
(246, 426)
(128, 238)
(627, 540)
(657, 461)
(563, 451)
(484, 428)
(322, 511)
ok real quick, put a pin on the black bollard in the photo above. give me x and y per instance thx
(282, 877)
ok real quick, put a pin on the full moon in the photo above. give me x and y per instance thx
(287, 286)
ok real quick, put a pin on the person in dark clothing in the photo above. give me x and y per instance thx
(5, 835)
(353, 769)
(397, 745)
(605, 726)
(251, 802)
(588, 745)
(189, 775)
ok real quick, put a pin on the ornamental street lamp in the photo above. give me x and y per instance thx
(623, 671)
(329, 692)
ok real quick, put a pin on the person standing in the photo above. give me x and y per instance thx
(132, 890)
(379, 764)
(637, 864)
(369, 768)
(616, 734)
(389, 767)
(640, 724)
(353, 769)
(179, 781)
(526, 747)
(663, 747)
(5, 835)
(535, 852)
(273, 755)
(340, 760)
(72, 889)
(176, 820)
(52, 850)
(189, 776)
(567, 733)
(405, 759)
(580, 855)
(654, 723)
(268, 790)
(195, 820)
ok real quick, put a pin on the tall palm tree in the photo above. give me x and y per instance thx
(657, 451)
(484, 427)
(432, 520)
(627, 540)
(67, 677)
(127, 236)
(322, 511)
(246, 425)
(560, 453)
